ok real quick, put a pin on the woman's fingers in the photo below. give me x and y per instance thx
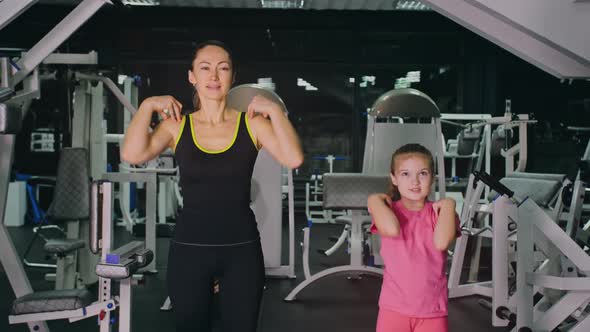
(164, 113)
(177, 111)
(250, 110)
(170, 109)
(261, 106)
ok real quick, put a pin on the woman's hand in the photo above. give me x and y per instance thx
(141, 145)
(167, 106)
(263, 106)
(273, 132)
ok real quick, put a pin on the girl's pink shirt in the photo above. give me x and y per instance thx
(414, 280)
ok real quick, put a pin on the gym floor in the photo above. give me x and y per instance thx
(332, 304)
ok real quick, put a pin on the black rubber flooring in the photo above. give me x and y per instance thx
(333, 304)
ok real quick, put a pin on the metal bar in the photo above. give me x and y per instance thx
(464, 116)
(52, 40)
(130, 177)
(125, 297)
(114, 138)
(90, 58)
(104, 284)
(530, 211)
(112, 86)
(356, 240)
(150, 220)
(525, 263)
(11, 9)
(576, 205)
(523, 143)
(440, 159)
(504, 209)
(95, 232)
(5, 70)
(560, 311)
(291, 198)
(151, 199)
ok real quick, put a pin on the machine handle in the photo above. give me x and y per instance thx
(94, 218)
(493, 183)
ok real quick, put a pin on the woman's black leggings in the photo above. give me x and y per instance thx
(192, 270)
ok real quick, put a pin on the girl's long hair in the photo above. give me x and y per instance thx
(403, 150)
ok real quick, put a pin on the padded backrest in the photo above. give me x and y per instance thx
(351, 190)
(467, 141)
(10, 119)
(383, 138)
(541, 188)
(404, 103)
(239, 97)
(71, 196)
(388, 137)
(499, 140)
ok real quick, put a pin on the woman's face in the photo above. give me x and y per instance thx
(211, 73)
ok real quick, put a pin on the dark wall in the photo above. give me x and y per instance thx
(325, 48)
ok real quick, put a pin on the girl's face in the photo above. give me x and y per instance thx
(211, 73)
(413, 177)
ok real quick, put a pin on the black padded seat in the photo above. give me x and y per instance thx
(63, 246)
(50, 301)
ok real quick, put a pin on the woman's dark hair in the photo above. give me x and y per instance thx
(409, 149)
(197, 49)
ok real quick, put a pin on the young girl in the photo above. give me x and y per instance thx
(415, 234)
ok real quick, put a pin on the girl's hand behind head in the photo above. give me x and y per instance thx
(445, 203)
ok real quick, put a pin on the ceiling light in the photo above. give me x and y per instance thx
(409, 5)
(413, 76)
(266, 82)
(141, 2)
(302, 82)
(121, 79)
(282, 4)
(401, 83)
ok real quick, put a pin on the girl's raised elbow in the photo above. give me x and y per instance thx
(392, 232)
(441, 245)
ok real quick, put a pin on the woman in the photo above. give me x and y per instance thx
(216, 236)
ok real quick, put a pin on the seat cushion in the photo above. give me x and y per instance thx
(541, 191)
(49, 301)
(63, 246)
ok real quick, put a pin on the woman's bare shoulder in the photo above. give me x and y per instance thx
(172, 126)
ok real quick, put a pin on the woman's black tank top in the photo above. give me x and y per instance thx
(216, 188)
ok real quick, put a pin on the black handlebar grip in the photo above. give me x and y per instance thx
(493, 183)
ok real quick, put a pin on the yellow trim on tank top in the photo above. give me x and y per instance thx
(210, 151)
(179, 132)
(250, 131)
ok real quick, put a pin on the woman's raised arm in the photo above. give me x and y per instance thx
(141, 145)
